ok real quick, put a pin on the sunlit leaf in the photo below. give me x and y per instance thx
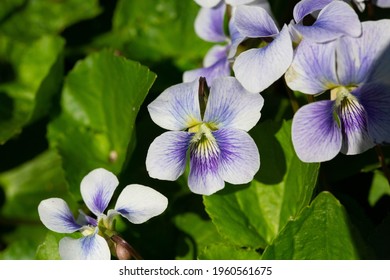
(379, 187)
(321, 232)
(100, 101)
(252, 215)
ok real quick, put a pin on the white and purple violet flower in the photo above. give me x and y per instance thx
(356, 71)
(136, 203)
(215, 139)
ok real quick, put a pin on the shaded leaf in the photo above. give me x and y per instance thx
(28, 184)
(34, 18)
(228, 252)
(31, 75)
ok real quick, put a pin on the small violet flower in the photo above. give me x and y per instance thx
(323, 21)
(356, 71)
(258, 68)
(215, 139)
(136, 203)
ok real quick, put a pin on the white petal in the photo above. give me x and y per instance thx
(209, 24)
(139, 203)
(240, 159)
(257, 69)
(177, 107)
(208, 3)
(97, 188)
(313, 69)
(166, 158)
(230, 105)
(56, 216)
(315, 132)
(92, 247)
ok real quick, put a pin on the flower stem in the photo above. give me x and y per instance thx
(382, 161)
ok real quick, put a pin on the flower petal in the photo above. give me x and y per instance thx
(382, 3)
(254, 22)
(375, 50)
(97, 188)
(306, 7)
(257, 69)
(208, 3)
(353, 119)
(139, 203)
(166, 158)
(216, 65)
(92, 247)
(209, 24)
(239, 157)
(313, 69)
(56, 216)
(177, 107)
(335, 20)
(230, 105)
(375, 99)
(316, 134)
(204, 177)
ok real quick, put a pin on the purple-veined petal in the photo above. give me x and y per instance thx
(254, 22)
(97, 188)
(353, 120)
(55, 214)
(177, 107)
(335, 20)
(216, 65)
(91, 247)
(84, 219)
(382, 3)
(209, 23)
(313, 69)
(375, 50)
(236, 38)
(306, 7)
(208, 3)
(139, 203)
(240, 159)
(257, 69)
(166, 158)
(204, 177)
(375, 99)
(316, 134)
(230, 105)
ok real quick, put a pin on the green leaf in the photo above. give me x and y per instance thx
(379, 188)
(31, 75)
(199, 233)
(48, 250)
(252, 215)
(223, 251)
(152, 30)
(321, 232)
(100, 101)
(22, 242)
(28, 184)
(33, 18)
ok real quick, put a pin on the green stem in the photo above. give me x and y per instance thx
(382, 161)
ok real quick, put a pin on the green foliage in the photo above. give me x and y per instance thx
(31, 74)
(321, 232)
(253, 215)
(75, 80)
(100, 101)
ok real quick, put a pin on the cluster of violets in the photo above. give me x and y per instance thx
(324, 50)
